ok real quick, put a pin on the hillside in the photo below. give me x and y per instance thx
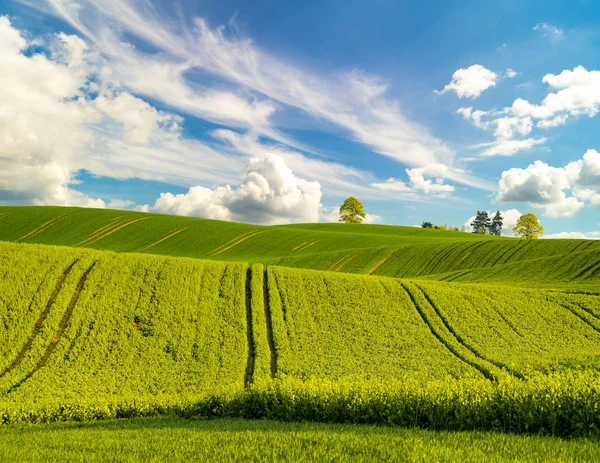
(92, 334)
(401, 252)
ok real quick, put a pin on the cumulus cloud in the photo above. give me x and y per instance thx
(428, 180)
(561, 191)
(270, 193)
(511, 73)
(505, 129)
(470, 82)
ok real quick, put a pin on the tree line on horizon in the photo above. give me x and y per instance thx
(528, 226)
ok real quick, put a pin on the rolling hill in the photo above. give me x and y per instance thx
(400, 252)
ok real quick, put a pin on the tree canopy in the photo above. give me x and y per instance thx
(352, 211)
(528, 226)
(496, 227)
(482, 223)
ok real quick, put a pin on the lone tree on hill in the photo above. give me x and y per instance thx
(482, 223)
(528, 226)
(427, 225)
(352, 211)
(497, 221)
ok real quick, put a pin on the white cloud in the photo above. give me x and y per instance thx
(270, 193)
(511, 73)
(354, 101)
(578, 94)
(470, 82)
(504, 147)
(548, 30)
(428, 180)
(549, 187)
(574, 235)
(561, 119)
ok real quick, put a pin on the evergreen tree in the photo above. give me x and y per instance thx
(497, 221)
(482, 223)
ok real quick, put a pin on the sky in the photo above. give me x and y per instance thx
(275, 112)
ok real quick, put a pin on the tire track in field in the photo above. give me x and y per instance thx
(40, 322)
(340, 263)
(383, 261)
(593, 268)
(462, 341)
(113, 230)
(575, 312)
(346, 262)
(231, 241)
(4, 214)
(305, 245)
(238, 242)
(268, 317)
(42, 227)
(485, 372)
(61, 328)
(112, 223)
(161, 240)
(249, 378)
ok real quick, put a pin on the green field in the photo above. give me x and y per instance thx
(179, 440)
(400, 252)
(112, 314)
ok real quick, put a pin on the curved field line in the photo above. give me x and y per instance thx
(163, 239)
(94, 234)
(61, 328)
(299, 246)
(383, 261)
(5, 214)
(249, 377)
(238, 242)
(452, 261)
(450, 250)
(231, 241)
(39, 229)
(461, 261)
(36, 233)
(304, 246)
(269, 319)
(581, 317)
(39, 323)
(338, 262)
(115, 230)
(462, 341)
(346, 262)
(486, 373)
(589, 268)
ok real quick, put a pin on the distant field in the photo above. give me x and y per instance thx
(401, 252)
(179, 440)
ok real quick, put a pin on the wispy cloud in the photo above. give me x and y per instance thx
(254, 83)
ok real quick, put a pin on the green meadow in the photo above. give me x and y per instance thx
(178, 338)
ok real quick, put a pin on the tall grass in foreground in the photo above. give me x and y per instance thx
(563, 404)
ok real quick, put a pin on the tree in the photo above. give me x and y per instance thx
(427, 225)
(352, 211)
(482, 223)
(528, 226)
(497, 221)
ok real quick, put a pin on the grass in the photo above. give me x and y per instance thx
(401, 252)
(176, 439)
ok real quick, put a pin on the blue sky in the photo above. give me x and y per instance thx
(274, 112)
